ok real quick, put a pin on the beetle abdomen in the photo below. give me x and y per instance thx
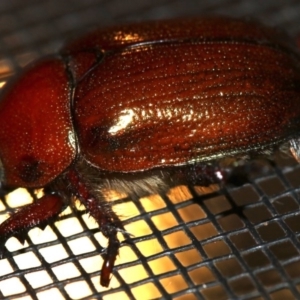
(175, 102)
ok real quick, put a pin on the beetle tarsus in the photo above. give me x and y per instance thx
(110, 257)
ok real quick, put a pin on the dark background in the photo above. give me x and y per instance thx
(234, 243)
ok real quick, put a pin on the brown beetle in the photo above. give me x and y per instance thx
(140, 107)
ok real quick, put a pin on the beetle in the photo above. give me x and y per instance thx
(140, 107)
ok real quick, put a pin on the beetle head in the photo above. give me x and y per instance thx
(35, 125)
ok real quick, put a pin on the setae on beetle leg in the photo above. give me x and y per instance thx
(108, 221)
(38, 213)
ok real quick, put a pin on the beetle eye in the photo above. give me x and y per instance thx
(30, 169)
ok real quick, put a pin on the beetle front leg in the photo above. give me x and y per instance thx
(109, 225)
(38, 213)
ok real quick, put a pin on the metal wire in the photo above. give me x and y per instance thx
(192, 243)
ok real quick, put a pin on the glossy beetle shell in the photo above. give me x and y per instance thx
(182, 91)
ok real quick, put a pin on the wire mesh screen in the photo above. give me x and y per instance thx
(191, 243)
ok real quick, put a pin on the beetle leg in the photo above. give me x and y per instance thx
(108, 221)
(204, 175)
(200, 174)
(110, 225)
(38, 213)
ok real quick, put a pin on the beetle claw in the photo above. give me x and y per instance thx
(109, 262)
(126, 234)
(127, 242)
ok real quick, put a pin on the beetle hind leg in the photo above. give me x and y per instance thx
(234, 174)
